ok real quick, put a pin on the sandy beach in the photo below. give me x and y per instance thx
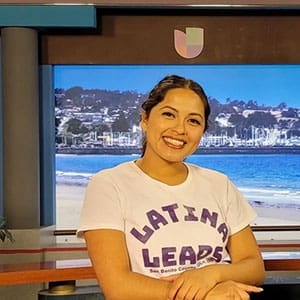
(70, 199)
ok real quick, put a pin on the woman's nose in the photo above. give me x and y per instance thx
(180, 127)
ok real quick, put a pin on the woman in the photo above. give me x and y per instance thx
(160, 228)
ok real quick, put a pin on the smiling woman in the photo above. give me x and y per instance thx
(195, 217)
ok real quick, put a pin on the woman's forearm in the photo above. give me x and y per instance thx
(130, 285)
(249, 271)
(112, 266)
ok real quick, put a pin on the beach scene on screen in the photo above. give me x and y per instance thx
(253, 135)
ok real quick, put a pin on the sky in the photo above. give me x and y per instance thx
(265, 84)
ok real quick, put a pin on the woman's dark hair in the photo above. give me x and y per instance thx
(159, 92)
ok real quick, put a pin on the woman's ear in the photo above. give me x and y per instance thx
(144, 121)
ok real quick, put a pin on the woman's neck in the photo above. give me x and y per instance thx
(170, 173)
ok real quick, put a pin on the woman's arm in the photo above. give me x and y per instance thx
(108, 252)
(246, 267)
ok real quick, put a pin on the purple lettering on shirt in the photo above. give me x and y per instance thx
(171, 210)
(218, 254)
(203, 251)
(206, 215)
(142, 237)
(223, 229)
(147, 263)
(155, 218)
(190, 216)
(168, 256)
(187, 253)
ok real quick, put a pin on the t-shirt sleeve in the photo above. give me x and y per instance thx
(239, 212)
(102, 206)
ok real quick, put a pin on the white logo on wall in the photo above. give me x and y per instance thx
(189, 44)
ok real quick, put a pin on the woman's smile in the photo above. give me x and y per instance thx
(172, 142)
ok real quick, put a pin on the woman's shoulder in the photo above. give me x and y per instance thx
(206, 172)
(118, 171)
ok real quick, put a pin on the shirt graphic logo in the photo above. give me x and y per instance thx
(190, 43)
(174, 258)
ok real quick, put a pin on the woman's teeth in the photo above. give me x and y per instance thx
(174, 142)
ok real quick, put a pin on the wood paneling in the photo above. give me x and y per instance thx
(147, 38)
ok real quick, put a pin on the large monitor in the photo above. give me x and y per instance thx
(253, 135)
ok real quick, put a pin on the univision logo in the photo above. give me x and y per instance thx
(190, 43)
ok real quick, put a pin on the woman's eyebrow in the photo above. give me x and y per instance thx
(196, 114)
(174, 109)
(170, 107)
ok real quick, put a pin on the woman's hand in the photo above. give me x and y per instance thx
(192, 284)
(232, 290)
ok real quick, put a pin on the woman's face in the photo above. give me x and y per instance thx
(175, 126)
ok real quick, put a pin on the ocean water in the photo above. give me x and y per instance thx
(264, 179)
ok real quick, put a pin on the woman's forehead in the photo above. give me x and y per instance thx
(182, 97)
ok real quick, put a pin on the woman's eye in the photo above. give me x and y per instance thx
(194, 121)
(168, 114)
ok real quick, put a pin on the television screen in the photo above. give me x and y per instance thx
(253, 135)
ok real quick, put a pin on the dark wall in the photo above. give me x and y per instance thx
(146, 37)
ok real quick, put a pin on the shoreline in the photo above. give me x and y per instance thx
(70, 199)
(200, 150)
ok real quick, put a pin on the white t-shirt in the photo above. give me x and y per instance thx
(168, 229)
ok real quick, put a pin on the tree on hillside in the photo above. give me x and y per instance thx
(260, 119)
(240, 104)
(252, 104)
(120, 124)
(75, 126)
(74, 94)
(282, 105)
(296, 125)
(216, 108)
(290, 113)
(238, 121)
(134, 117)
(284, 124)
